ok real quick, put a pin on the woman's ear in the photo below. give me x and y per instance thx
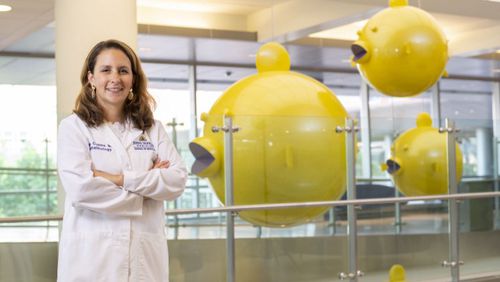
(90, 77)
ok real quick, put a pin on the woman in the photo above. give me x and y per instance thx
(117, 167)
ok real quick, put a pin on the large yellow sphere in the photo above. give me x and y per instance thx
(401, 51)
(418, 163)
(286, 150)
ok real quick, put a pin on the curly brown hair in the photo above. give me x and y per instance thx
(138, 110)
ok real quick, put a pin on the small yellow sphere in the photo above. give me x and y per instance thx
(397, 273)
(418, 163)
(286, 150)
(401, 51)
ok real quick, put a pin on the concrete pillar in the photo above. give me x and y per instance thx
(80, 24)
(484, 138)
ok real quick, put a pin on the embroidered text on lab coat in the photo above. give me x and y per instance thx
(143, 146)
(100, 147)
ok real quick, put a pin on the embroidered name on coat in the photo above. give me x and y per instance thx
(143, 146)
(100, 147)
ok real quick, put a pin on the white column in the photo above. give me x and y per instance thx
(366, 160)
(496, 108)
(193, 133)
(496, 132)
(436, 105)
(80, 24)
(387, 146)
(484, 138)
(495, 102)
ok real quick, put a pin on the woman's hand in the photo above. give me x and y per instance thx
(160, 164)
(117, 179)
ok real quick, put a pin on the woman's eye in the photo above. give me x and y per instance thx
(124, 71)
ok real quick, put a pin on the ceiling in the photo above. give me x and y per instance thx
(226, 34)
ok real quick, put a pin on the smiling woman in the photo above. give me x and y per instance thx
(117, 167)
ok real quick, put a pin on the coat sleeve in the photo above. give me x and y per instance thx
(159, 184)
(83, 190)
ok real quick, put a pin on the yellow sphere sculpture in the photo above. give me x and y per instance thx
(397, 273)
(401, 51)
(286, 150)
(418, 163)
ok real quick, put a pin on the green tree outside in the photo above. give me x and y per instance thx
(23, 193)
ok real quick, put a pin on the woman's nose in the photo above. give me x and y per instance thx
(115, 76)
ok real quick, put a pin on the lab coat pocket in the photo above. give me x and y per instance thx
(154, 257)
(92, 257)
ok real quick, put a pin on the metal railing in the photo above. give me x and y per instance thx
(453, 198)
(239, 208)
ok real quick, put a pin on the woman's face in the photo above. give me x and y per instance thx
(112, 77)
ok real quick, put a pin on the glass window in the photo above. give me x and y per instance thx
(28, 181)
(468, 104)
(389, 117)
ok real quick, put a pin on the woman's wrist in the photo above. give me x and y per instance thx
(117, 179)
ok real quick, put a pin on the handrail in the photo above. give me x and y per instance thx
(28, 169)
(238, 208)
(465, 179)
(15, 219)
(357, 202)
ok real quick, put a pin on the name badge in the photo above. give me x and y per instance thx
(143, 146)
(100, 147)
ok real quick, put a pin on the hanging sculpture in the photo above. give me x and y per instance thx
(401, 51)
(286, 150)
(418, 164)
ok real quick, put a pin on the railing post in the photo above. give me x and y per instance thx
(229, 200)
(398, 223)
(350, 140)
(453, 216)
(47, 183)
(174, 125)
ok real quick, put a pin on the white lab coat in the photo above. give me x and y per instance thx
(113, 233)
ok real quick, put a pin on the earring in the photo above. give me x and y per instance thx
(130, 94)
(93, 92)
